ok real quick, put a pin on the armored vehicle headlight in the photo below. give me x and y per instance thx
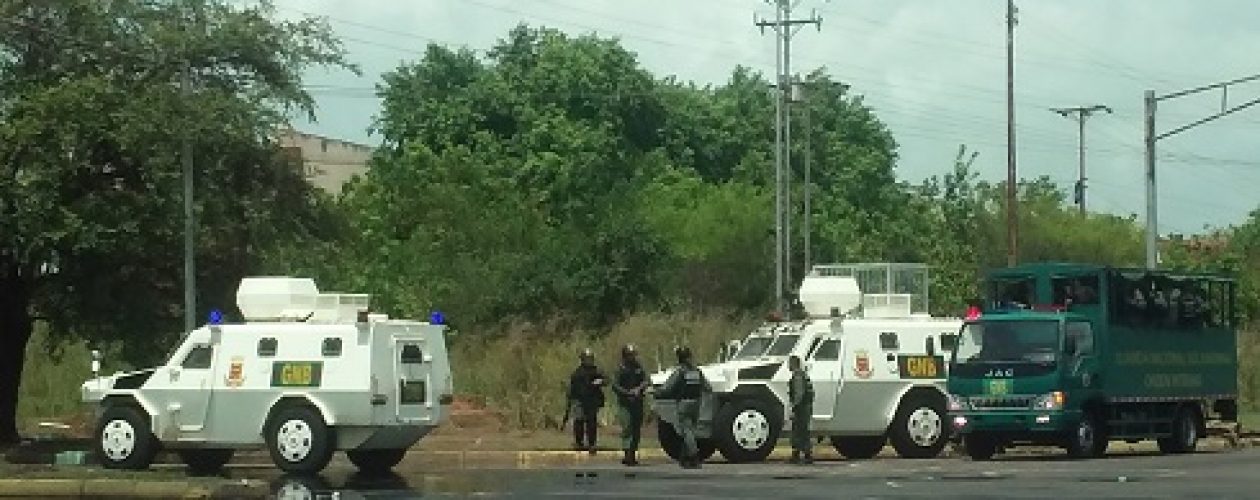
(958, 403)
(1051, 401)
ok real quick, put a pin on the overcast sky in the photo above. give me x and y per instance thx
(934, 71)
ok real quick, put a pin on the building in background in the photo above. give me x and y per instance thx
(328, 163)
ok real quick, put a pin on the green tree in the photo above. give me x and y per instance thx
(91, 120)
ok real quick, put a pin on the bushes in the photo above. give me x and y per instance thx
(524, 371)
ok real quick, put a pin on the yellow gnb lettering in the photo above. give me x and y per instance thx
(920, 367)
(296, 374)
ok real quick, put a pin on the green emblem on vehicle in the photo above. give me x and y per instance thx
(997, 386)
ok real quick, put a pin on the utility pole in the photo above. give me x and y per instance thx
(785, 27)
(1080, 114)
(1151, 103)
(806, 260)
(190, 225)
(1012, 217)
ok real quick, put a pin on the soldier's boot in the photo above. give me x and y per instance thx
(628, 458)
(807, 458)
(796, 457)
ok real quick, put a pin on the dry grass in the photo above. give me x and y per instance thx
(524, 373)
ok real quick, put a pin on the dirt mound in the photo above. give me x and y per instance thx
(469, 412)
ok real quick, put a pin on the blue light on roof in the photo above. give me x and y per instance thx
(436, 318)
(216, 317)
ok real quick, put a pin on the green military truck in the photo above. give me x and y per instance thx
(1077, 356)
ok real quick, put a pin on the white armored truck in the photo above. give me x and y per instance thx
(306, 374)
(875, 357)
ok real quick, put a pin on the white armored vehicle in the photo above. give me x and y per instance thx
(308, 373)
(875, 356)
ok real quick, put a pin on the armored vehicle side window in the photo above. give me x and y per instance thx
(828, 351)
(266, 347)
(411, 355)
(199, 357)
(949, 341)
(888, 341)
(332, 347)
(783, 345)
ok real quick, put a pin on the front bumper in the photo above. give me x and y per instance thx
(1031, 425)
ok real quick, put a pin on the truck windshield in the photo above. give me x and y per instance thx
(783, 345)
(1006, 341)
(754, 347)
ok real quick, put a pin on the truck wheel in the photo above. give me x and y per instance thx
(1087, 439)
(918, 430)
(746, 431)
(858, 447)
(204, 462)
(979, 447)
(1185, 436)
(299, 440)
(124, 438)
(672, 443)
(376, 461)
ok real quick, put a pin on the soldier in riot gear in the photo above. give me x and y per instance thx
(586, 397)
(687, 386)
(630, 385)
(801, 394)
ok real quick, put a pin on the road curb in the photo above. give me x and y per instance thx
(127, 488)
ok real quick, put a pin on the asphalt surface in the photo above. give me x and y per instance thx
(1220, 474)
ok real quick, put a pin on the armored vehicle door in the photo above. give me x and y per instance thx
(183, 391)
(825, 372)
(413, 365)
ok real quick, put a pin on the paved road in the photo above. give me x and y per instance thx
(1234, 474)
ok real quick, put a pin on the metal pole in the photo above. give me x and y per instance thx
(778, 157)
(1012, 218)
(809, 186)
(1152, 226)
(1080, 180)
(190, 226)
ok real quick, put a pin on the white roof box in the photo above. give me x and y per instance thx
(276, 298)
(819, 295)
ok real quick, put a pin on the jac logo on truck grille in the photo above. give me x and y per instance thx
(921, 366)
(296, 373)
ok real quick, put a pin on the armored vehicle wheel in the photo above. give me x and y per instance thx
(979, 447)
(1185, 436)
(918, 430)
(299, 440)
(747, 430)
(201, 462)
(1087, 439)
(299, 487)
(858, 447)
(376, 461)
(124, 438)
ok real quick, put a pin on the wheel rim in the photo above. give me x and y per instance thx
(1085, 435)
(294, 490)
(751, 429)
(924, 426)
(118, 440)
(294, 440)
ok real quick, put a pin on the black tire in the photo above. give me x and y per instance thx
(672, 443)
(918, 429)
(205, 462)
(1088, 439)
(124, 438)
(747, 430)
(1185, 436)
(299, 440)
(979, 447)
(376, 461)
(858, 447)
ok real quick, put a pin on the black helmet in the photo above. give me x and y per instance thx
(586, 354)
(683, 353)
(629, 349)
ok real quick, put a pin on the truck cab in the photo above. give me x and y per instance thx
(306, 374)
(1078, 355)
